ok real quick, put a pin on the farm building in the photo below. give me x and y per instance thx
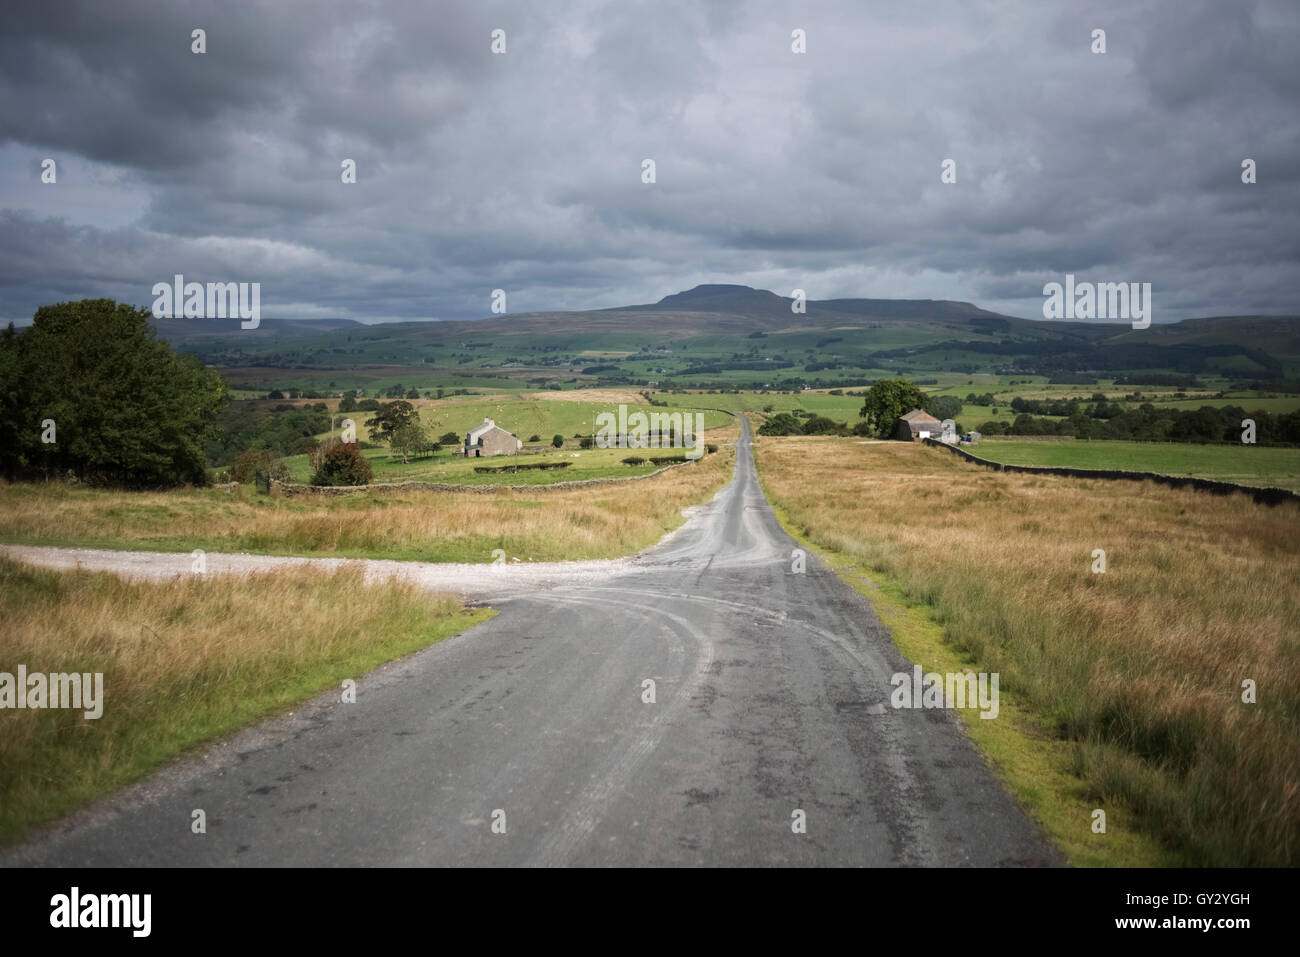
(917, 425)
(488, 438)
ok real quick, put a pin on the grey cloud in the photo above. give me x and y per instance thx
(522, 171)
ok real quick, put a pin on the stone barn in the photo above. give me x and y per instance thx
(488, 438)
(917, 425)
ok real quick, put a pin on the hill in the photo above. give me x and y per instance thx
(724, 335)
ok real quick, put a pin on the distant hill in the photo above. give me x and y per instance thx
(180, 330)
(748, 301)
(724, 335)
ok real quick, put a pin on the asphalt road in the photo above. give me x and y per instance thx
(771, 696)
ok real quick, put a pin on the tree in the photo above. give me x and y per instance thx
(340, 463)
(409, 439)
(783, 423)
(450, 438)
(886, 401)
(124, 408)
(389, 417)
(944, 407)
(557, 441)
(348, 403)
(821, 425)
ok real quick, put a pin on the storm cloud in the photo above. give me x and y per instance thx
(523, 170)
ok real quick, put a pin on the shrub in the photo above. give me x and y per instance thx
(557, 441)
(340, 463)
(246, 466)
(634, 460)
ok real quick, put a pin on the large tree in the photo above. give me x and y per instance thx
(389, 418)
(409, 439)
(89, 389)
(886, 401)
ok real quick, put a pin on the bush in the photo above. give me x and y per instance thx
(710, 448)
(534, 438)
(246, 466)
(586, 442)
(634, 460)
(340, 463)
(558, 441)
(450, 438)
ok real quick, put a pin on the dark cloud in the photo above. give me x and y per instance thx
(523, 171)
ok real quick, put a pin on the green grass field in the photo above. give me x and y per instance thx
(1244, 464)
(583, 464)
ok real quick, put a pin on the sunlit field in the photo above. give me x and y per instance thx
(1140, 668)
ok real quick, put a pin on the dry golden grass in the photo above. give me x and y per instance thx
(1142, 666)
(183, 661)
(599, 521)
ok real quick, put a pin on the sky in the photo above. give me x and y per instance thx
(522, 170)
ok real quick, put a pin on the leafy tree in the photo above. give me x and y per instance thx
(409, 439)
(412, 393)
(783, 423)
(557, 441)
(534, 438)
(821, 425)
(886, 401)
(944, 407)
(125, 408)
(340, 463)
(389, 417)
(450, 438)
(348, 403)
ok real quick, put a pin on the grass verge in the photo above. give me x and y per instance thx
(1021, 748)
(183, 662)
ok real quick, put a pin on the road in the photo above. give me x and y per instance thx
(771, 697)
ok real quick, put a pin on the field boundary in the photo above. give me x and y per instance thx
(290, 490)
(1262, 495)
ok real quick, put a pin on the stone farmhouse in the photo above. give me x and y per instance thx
(488, 438)
(916, 425)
